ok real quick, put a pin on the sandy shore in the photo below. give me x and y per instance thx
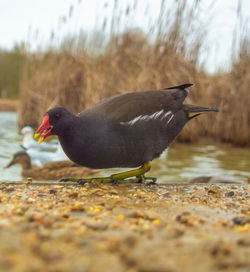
(8, 104)
(124, 227)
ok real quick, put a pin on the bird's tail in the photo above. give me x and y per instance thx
(193, 111)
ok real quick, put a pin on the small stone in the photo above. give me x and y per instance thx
(113, 192)
(183, 218)
(31, 200)
(221, 249)
(29, 180)
(130, 240)
(121, 217)
(244, 242)
(113, 244)
(98, 192)
(73, 195)
(241, 220)
(214, 190)
(136, 214)
(156, 222)
(78, 207)
(9, 189)
(229, 194)
(97, 225)
(151, 216)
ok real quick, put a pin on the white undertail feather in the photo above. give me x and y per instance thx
(154, 116)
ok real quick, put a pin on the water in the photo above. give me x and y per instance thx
(9, 144)
(181, 163)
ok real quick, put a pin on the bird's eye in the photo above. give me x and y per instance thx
(57, 116)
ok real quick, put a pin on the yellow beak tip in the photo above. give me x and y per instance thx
(41, 140)
(36, 135)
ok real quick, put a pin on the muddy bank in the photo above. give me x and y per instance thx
(8, 104)
(124, 227)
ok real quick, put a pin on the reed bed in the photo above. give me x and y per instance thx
(132, 62)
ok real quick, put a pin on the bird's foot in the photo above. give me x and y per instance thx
(81, 181)
(146, 180)
(115, 181)
(150, 180)
(137, 179)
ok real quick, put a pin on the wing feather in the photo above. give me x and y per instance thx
(129, 106)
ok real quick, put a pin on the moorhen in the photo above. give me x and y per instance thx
(126, 130)
(50, 170)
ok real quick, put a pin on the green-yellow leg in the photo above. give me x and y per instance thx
(138, 173)
(132, 173)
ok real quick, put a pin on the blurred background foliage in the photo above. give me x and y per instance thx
(12, 64)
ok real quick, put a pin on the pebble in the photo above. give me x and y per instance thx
(229, 194)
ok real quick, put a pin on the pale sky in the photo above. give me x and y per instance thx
(33, 21)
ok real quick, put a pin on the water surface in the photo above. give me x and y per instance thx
(181, 163)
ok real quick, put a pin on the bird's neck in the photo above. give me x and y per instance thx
(73, 140)
(27, 139)
(26, 164)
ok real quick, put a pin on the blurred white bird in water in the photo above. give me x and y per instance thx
(29, 142)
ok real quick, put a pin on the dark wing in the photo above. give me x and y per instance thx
(126, 107)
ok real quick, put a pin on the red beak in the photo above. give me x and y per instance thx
(44, 129)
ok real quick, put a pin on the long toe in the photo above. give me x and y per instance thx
(81, 181)
(150, 180)
(64, 180)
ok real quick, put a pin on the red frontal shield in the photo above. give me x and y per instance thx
(44, 130)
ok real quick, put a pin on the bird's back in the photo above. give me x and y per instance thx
(126, 107)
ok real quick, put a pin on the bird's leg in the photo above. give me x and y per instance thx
(132, 173)
(140, 179)
(137, 173)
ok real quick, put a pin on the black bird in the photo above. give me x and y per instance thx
(127, 130)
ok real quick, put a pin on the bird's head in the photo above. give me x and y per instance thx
(27, 130)
(55, 122)
(22, 158)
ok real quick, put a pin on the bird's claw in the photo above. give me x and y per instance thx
(64, 180)
(153, 180)
(81, 181)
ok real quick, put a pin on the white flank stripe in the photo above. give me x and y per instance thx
(170, 119)
(152, 116)
(131, 122)
(157, 114)
(166, 115)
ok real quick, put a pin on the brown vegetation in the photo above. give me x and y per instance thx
(131, 63)
(8, 104)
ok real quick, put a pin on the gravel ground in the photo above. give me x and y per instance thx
(124, 227)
